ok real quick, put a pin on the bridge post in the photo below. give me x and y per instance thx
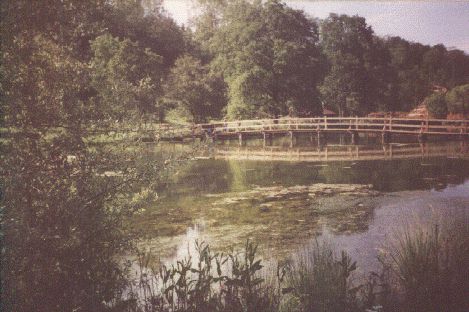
(422, 137)
(463, 132)
(267, 138)
(354, 137)
(240, 138)
(325, 122)
(385, 136)
(292, 138)
(322, 139)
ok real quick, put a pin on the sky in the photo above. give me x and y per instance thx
(427, 22)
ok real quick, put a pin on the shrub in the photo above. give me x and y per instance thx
(436, 105)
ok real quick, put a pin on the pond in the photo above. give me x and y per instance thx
(283, 197)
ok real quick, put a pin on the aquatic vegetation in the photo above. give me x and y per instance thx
(425, 269)
(428, 265)
(319, 280)
(208, 282)
(282, 218)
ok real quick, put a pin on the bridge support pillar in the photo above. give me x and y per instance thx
(322, 139)
(267, 138)
(354, 138)
(386, 137)
(422, 137)
(240, 139)
(293, 138)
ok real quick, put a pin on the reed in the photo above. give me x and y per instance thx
(425, 268)
(319, 279)
(429, 265)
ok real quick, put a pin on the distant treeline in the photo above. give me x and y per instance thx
(116, 60)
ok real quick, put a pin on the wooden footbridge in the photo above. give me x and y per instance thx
(317, 128)
(266, 128)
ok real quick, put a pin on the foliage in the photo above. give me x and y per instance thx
(146, 23)
(63, 199)
(269, 58)
(356, 80)
(208, 282)
(319, 280)
(436, 105)
(429, 263)
(417, 68)
(457, 100)
(196, 89)
(123, 71)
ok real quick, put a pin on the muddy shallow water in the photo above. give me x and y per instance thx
(284, 205)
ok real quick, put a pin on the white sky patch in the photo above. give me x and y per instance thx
(179, 10)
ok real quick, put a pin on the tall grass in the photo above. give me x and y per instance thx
(208, 282)
(429, 265)
(319, 280)
(426, 268)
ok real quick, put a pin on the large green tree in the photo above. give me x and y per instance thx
(356, 65)
(408, 84)
(195, 89)
(146, 23)
(127, 77)
(269, 58)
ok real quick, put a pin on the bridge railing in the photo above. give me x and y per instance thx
(363, 124)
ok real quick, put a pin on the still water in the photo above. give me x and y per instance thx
(283, 197)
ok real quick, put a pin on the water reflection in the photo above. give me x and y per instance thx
(225, 201)
(342, 152)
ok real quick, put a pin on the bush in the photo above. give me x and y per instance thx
(436, 105)
(457, 100)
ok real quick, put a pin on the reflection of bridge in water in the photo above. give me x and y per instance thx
(344, 152)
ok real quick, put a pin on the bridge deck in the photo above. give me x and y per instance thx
(340, 124)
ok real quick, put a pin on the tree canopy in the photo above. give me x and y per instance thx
(269, 57)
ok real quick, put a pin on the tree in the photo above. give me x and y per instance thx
(433, 65)
(196, 89)
(269, 57)
(127, 77)
(419, 67)
(61, 219)
(348, 42)
(409, 86)
(147, 24)
(457, 100)
(436, 105)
